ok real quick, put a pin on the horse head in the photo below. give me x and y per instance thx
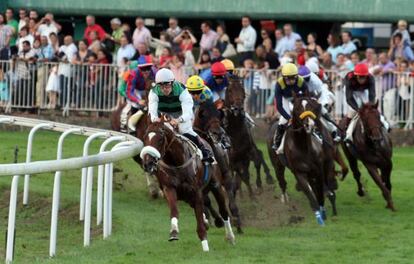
(235, 96)
(155, 140)
(371, 121)
(208, 120)
(306, 112)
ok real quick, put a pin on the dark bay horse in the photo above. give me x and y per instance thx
(371, 145)
(309, 159)
(182, 176)
(243, 148)
(207, 125)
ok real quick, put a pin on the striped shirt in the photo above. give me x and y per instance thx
(5, 32)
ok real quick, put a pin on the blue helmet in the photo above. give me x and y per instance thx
(304, 71)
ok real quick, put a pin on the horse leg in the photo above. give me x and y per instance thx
(280, 175)
(320, 195)
(258, 166)
(332, 199)
(152, 184)
(171, 196)
(229, 185)
(208, 208)
(269, 178)
(201, 229)
(307, 189)
(386, 193)
(245, 177)
(386, 174)
(340, 160)
(353, 163)
(221, 202)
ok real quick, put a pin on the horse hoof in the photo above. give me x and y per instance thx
(391, 207)
(239, 231)
(361, 193)
(231, 239)
(173, 236)
(319, 218)
(270, 181)
(218, 222)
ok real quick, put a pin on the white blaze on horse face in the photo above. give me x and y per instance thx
(310, 123)
(304, 104)
(151, 135)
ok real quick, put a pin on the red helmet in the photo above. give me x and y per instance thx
(218, 69)
(361, 69)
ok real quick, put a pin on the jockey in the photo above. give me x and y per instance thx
(170, 97)
(320, 91)
(229, 65)
(285, 85)
(359, 89)
(202, 94)
(216, 80)
(139, 82)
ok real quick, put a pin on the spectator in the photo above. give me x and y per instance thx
(402, 28)
(66, 53)
(173, 31)
(270, 58)
(126, 28)
(279, 42)
(95, 44)
(126, 50)
(92, 26)
(117, 33)
(177, 67)
(36, 47)
(312, 46)
(347, 45)
(327, 62)
(142, 50)
(300, 52)
(289, 39)
(91, 83)
(385, 67)
(24, 36)
(46, 54)
(32, 28)
(400, 49)
(48, 25)
(165, 57)
(185, 40)
(141, 34)
(22, 18)
(52, 87)
(5, 33)
(334, 48)
(82, 54)
(247, 74)
(208, 38)
(343, 65)
(370, 59)
(33, 14)
(54, 42)
(14, 26)
(205, 62)
(246, 40)
(24, 61)
(404, 90)
(161, 43)
(4, 89)
(267, 41)
(216, 55)
(355, 58)
(223, 39)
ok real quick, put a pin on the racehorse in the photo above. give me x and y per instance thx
(207, 125)
(182, 176)
(244, 149)
(308, 156)
(371, 145)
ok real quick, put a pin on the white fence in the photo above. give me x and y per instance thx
(93, 87)
(127, 147)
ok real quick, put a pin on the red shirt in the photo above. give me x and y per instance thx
(301, 57)
(101, 32)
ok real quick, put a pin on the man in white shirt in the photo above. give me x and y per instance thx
(22, 17)
(246, 40)
(289, 40)
(348, 46)
(48, 25)
(66, 53)
(173, 31)
(141, 33)
(126, 50)
(24, 36)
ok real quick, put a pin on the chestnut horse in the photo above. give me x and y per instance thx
(371, 145)
(207, 125)
(244, 149)
(182, 176)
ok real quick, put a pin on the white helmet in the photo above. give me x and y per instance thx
(312, 66)
(164, 75)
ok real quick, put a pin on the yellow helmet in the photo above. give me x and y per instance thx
(195, 83)
(289, 69)
(228, 64)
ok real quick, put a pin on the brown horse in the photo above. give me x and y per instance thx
(182, 176)
(207, 125)
(309, 158)
(371, 145)
(244, 149)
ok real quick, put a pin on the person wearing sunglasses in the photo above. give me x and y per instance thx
(171, 98)
(321, 93)
(139, 81)
(289, 83)
(359, 89)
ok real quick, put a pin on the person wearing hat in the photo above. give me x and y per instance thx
(359, 90)
(289, 83)
(216, 80)
(229, 65)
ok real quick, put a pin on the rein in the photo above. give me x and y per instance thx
(182, 166)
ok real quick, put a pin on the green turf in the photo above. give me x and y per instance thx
(364, 231)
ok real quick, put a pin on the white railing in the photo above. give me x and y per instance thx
(128, 147)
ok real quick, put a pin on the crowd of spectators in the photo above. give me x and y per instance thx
(30, 39)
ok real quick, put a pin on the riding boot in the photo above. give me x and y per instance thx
(207, 154)
(347, 122)
(277, 139)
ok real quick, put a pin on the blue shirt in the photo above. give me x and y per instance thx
(349, 47)
(46, 52)
(283, 90)
(287, 43)
(207, 76)
(334, 52)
